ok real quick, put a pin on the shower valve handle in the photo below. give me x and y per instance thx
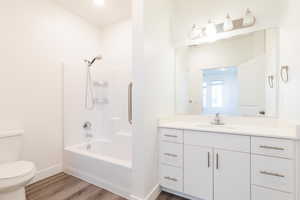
(87, 126)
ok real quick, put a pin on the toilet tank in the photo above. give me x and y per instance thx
(10, 145)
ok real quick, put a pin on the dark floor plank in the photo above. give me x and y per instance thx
(168, 196)
(66, 187)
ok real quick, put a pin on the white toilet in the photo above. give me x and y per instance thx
(14, 174)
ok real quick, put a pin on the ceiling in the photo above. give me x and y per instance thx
(112, 11)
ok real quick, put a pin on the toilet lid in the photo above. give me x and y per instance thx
(15, 169)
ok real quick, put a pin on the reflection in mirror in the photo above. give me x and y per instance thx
(236, 76)
(220, 91)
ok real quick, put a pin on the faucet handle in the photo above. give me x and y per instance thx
(217, 120)
(87, 125)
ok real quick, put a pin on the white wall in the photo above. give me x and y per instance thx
(36, 38)
(153, 95)
(115, 70)
(289, 98)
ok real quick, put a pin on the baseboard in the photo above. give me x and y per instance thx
(45, 173)
(179, 194)
(97, 182)
(152, 195)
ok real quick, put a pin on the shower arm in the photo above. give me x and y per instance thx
(91, 62)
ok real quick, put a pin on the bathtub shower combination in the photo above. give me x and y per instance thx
(98, 147)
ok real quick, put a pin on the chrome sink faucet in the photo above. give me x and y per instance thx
(217, 120)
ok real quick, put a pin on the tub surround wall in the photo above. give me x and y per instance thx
(36, 38)
(108, 163)
(115, 70)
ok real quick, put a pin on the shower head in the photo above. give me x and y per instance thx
(91, 62)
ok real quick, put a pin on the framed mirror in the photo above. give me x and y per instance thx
(235, 76)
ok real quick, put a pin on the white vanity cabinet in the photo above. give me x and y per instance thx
(207, 172)
(171, 159)
(221, 166)
(273, 167)
(210, 161)
(231, 175)
(198, 171)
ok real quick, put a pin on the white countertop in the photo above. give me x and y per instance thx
(280, 131)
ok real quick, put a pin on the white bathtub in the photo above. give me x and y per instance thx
(107, 164)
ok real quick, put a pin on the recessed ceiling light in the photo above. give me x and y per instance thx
(99, 2)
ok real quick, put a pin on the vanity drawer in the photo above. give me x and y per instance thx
(273, 147)
(171, 154)
(216, 140)
(259, 193)
(171, 135)
(171, 178)
(275, 173)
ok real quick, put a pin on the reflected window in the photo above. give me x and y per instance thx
(220, 91)
(204, 94)
(217, 94)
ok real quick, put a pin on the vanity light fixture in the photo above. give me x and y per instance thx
(99, 2)
(211, 31)
(228, 24)
(249, 18)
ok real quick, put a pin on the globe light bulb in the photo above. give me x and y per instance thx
(228, 24)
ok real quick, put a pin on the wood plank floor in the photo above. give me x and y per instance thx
(66, 187)
(167, 196)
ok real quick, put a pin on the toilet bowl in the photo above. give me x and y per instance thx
(14, 176)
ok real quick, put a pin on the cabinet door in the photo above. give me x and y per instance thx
(198, 172)
(231, 175)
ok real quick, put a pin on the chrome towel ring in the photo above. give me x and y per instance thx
(271, 81)
(284, 72)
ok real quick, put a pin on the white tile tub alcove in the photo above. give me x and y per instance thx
(108, 163)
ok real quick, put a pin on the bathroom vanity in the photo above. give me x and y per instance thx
(229, 162)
